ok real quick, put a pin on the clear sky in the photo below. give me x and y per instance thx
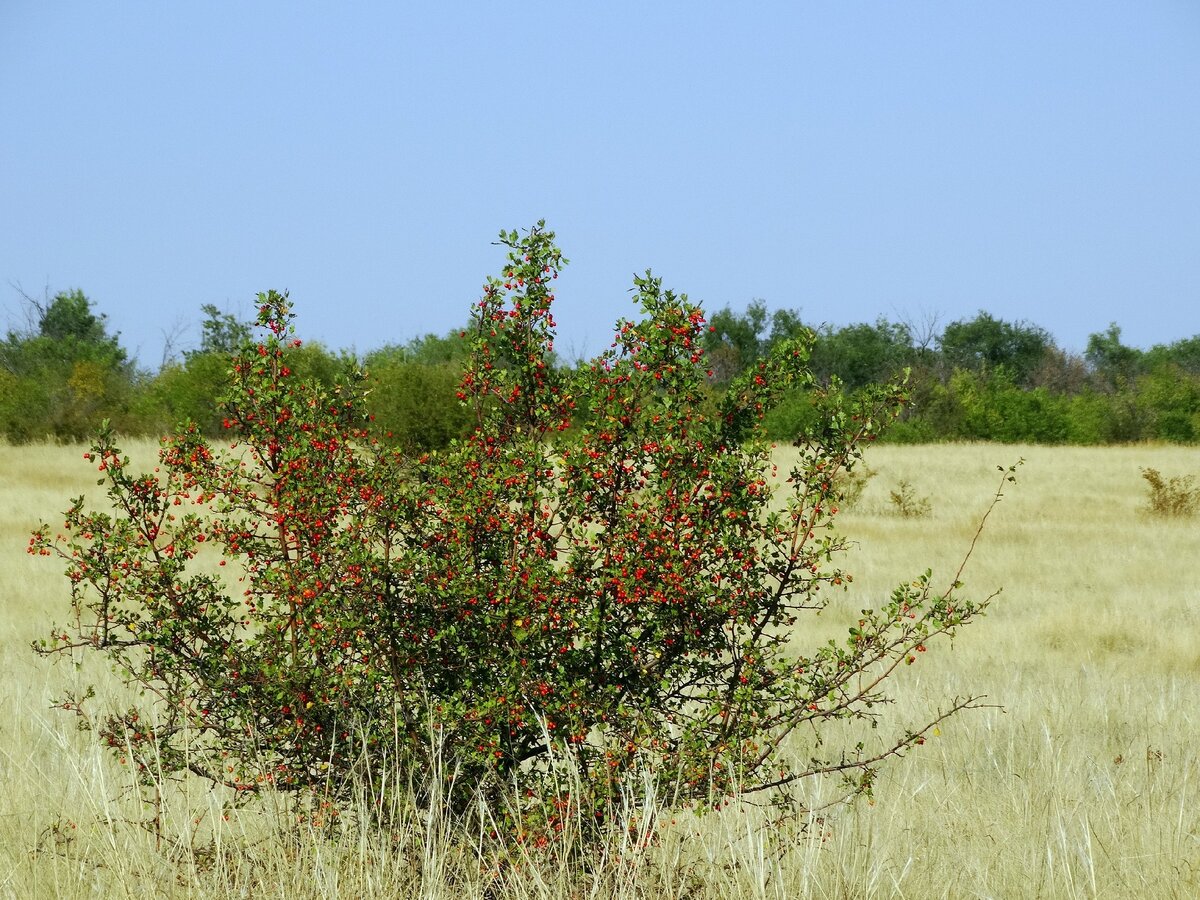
(1039, 160)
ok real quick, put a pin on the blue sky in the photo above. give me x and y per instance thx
(1039, 160)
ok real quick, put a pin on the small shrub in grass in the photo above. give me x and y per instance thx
(568, 601)
(853, 483)
(907, 503)
(1171, 497)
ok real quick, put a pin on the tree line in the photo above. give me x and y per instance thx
(982, 378)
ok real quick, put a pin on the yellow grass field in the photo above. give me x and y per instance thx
(1086, 783)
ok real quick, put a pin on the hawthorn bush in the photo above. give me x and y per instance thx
(602, 580)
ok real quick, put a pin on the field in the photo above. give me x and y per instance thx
(1083, 781)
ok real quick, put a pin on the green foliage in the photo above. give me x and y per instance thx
(974, 406)
(1128, 420)
(312, 361)
(415, 405)
(735, 342)
(1114, 363)
(912, 430)
(1184, 354)
(987, 380)
(64, 375)
(70, 324)
(796, 413)
(430, 350)
(221, 333)
(1163, 404)
(25, 408)
(63, 403)
(861, 355)
(1061, 373)
(413, 395)
(1089, 418)
(1170, 395)
(1003, 412)
(1174, 497)
(68, 332)
(985, 343)
(563, 604)
(190, 391)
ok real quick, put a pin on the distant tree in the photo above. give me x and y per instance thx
(985, 343)
(786, 325)
(221, 332)
(188, 392)
(416, 405)
(1113, 363)
(735, 341)
(428, 350)
(191, 391)
(1170, 397)
(1060, 373)
(70, 318)
(432, 349)
(862, 354)
(1183, 353)
(68, 330)
(922, 331)
(413, 391)
(67, 372)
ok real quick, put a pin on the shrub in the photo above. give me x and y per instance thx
(186, 392)
(907, 504)
(414, 403)
(558, 603)
(1171, 497)
(912, 430)
(1172, 396)
(854, 483)
(796, 413)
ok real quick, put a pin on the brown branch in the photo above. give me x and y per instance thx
(896, 750)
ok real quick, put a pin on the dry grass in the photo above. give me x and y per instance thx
(1086, 784)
